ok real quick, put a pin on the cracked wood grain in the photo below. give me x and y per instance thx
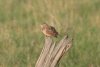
(51, 54)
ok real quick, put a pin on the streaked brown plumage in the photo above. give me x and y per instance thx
(49, 30)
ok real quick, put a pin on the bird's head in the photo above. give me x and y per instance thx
(44, 25)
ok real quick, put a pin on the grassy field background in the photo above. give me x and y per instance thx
(21, 39)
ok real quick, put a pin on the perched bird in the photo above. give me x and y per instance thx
(49, 30)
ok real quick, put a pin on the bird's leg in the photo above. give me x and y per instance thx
(46, 36)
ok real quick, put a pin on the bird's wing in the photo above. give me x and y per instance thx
(54, 30)
(50, 31)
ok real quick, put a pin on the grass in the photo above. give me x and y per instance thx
(21, 39)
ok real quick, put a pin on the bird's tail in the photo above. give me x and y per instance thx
(57, 35)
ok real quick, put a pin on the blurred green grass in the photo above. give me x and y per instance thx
(21, 39)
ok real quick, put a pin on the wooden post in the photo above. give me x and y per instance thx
(51, 55)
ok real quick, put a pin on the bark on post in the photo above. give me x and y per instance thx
(51, 55)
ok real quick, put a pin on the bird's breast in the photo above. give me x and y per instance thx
(45, 32)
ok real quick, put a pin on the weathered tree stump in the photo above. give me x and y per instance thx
(51, 55)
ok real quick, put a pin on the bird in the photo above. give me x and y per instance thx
(49, 30)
